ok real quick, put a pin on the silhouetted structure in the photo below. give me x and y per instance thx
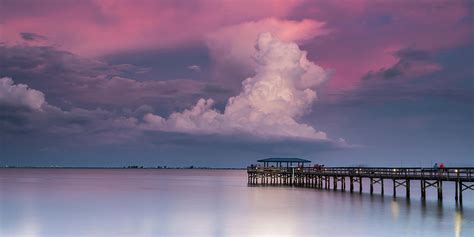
(322, 177)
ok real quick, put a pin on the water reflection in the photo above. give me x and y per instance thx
(206, 203)
(395, 209)
(457, 223)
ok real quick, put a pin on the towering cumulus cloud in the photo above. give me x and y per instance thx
(269, 103)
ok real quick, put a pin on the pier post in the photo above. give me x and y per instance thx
(382, 186)
(371, 186)
(360, 184)
(423, 189)
(440, 190)
(456, 192)
(343, 180)
(334, 182)
(460, 192)
(407, 186)
(394, 188)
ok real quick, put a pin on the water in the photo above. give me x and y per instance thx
(80, 202)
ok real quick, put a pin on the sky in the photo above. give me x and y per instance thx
(224, 83)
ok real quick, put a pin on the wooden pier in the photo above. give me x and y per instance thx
(323, 177)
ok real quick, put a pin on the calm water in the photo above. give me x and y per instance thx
(48, 202)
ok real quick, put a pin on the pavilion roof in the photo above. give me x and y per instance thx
(284, 160)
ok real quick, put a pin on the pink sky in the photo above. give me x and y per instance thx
(335, 33)
(386, 75)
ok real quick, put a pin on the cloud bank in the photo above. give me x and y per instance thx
(269, 104)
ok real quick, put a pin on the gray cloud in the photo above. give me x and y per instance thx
(29, 36)
(412, 63)
(70, 81)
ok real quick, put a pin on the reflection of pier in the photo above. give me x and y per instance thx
(282, 172)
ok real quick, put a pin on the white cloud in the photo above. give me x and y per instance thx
(20, 95)
(195, 68)
(269, 103)
(236, 43)
(40, 116)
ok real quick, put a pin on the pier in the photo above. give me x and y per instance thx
(281, 171)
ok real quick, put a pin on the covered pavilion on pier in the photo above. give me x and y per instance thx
(281, 161)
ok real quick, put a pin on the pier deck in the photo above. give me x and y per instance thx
(324, 177)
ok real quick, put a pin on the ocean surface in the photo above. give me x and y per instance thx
(142, 202)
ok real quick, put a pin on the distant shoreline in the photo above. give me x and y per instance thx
(124, 168)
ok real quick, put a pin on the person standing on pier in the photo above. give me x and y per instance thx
(435, 169)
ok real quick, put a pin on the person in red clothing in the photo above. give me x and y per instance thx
(442, 167)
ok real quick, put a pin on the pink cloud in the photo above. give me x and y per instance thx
(365, 34)
(103, 27)
(232, 48)
(235, 44)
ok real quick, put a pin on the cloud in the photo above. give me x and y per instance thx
(412, 63)
(368, 33)
(28, 36)
(195, 68)
(236, 43)
(25, 111)
(70, 80)
(269, 104)
(108, 26)
(20, 95)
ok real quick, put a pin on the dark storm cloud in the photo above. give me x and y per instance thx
(14, 119)
(414, 54)
(166, 64)
(411, 63)
(452, 81)
(71, 81)
(29, 36)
